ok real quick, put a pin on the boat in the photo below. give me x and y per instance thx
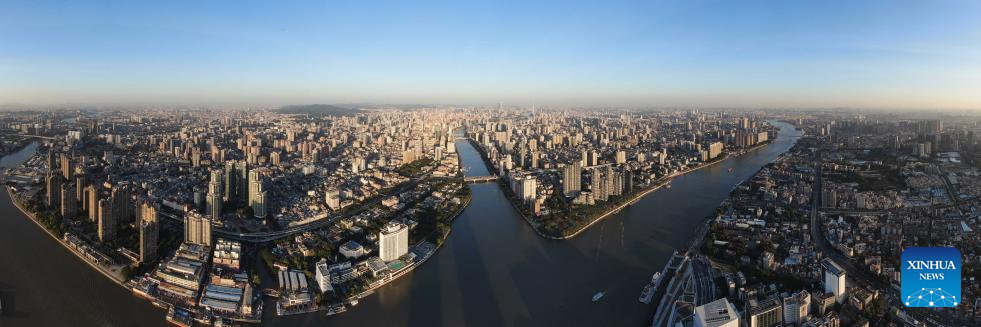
(598, 296)
(647, 294)
(336, 309)
(180, 317)
(731, 170)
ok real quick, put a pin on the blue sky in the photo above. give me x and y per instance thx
(867, 54)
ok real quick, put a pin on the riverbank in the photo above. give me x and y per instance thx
(437, 244)
(115, 277)
(660, 183)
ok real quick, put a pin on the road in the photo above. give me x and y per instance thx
(261, 237)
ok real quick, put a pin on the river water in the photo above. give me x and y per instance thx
(493, 270)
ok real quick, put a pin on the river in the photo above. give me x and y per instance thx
(493, 269)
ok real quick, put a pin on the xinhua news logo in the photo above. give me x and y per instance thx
(931, 277)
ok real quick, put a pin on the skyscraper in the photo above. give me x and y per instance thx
(599, 185)
(571, 179)
(149, 231)
(107, 224)
(66, 166)
(69, 208)
(592, 158)
(393, 241)
(834, 279)
(92, 198)
(229, 194)
(197, 229)
(529, 188)
(243, 182)
(621, 157)
(214, 198)
(257, 193)
(259, 207)
(51, 161)
(122, 206)
(53, 190)
(79, 186)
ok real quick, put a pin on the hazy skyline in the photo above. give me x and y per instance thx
(874, 54)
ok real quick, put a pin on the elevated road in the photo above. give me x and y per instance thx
(327, 220)
(31, 136)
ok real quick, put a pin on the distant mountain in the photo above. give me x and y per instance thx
(318, 109)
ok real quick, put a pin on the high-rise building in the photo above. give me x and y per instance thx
(765, 313)
(149, 231)
(53, 190)
(274, 158)
(834, 279)
(715, 149)
(333, 199)
(393, 241)
(66, 167)
(51, 161)
(106, 223)
(257, 193)
(628, 181)
(599, 185)
(592, 158)
(621, 157)
(358, 165)
(229, 194)
(92, 198)
(571, 179)
(255, 182)
(69, 208)
(529, 189)
(214, 198)
(214, 202)
(122, 203)
(197, 229)
(243, 182)
(718, 313)
(79, 186)
(613, 182)
(796, 308)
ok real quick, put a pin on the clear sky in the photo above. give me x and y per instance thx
(874, 54)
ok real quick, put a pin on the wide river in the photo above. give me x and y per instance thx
(492, 271)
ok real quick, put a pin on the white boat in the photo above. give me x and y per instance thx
(598, 296)
(657, 275)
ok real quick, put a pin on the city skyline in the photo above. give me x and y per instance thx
(874, 55)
